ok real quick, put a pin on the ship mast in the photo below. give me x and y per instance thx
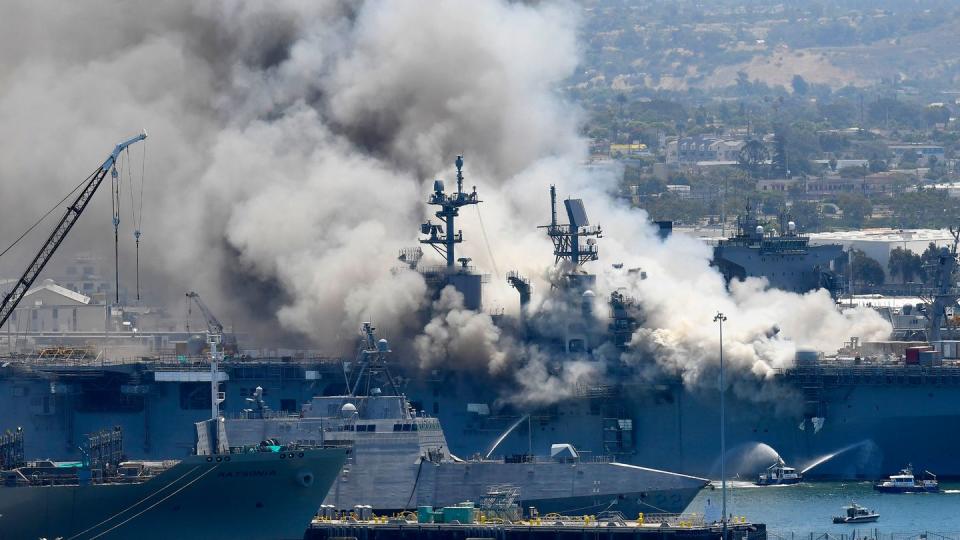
(946, 293)
(566, 238)
(445, 241)
(372, 363)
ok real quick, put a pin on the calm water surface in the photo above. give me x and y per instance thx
(809, 507)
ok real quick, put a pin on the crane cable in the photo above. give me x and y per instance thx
(487, 242)
(136, 211)
(116, 182)
(44, 216)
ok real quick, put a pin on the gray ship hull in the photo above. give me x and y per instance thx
(846, 427)
(251, 496)
(875, 415)
(399, 462)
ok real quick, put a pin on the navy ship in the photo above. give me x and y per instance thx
(785, 257)
(227, 493)
(400, 459)
(850, 415)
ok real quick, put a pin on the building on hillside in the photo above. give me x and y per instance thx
(881, 183)
(636, 148)
(781, 185)
(702, 148)
(919, 151)
(952, 189)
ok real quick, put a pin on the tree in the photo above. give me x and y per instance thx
(806, 215)
(778, 161)
(833, 164)
(929, 259)
(905, 263)
(853, 172)
(867, 270)
(856, 207)
(936, 114)
(800, 86)
(877, 165)
(752, 157)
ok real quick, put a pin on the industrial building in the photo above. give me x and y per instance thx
(878, 243)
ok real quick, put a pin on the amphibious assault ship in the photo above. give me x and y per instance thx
(785, 257)
(856, 414)
(400, 459)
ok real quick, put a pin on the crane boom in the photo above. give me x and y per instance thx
(70, 217)
(213, 324)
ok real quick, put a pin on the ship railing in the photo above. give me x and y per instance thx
(870, 374)
(674, 520)
(595, 390)
(526, 458)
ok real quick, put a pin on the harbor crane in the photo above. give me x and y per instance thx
(213, 324)
(66, 223)
(215, 342)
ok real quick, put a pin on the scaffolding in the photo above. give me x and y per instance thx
(11, 449)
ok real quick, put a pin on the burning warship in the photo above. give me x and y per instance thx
(850, 415)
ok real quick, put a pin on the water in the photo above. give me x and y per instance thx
(806, 508)
(823, 459)
(504, 435)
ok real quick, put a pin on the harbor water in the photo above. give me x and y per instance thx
(797, 511)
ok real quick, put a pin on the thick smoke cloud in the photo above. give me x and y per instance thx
(291, 148)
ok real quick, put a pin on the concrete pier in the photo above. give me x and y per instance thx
(394, 529)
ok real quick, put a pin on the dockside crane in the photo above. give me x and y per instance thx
(215, 342)
(66, 223)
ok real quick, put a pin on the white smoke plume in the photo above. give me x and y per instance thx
(470, 338)
(291, 148)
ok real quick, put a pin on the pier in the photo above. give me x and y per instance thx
(538, 529)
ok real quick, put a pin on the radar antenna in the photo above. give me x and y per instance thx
(566, 238)
(371, 366)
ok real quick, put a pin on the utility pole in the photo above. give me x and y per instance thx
(719, 318)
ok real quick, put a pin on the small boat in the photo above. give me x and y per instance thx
(779, 474)
(857, 514)
(906, 482)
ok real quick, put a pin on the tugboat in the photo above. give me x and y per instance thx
(857, 514)
(779, 474)
(906, 482)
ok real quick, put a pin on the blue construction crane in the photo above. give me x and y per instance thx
(70, 217)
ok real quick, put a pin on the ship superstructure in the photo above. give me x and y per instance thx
(444, 237)
(785, 257)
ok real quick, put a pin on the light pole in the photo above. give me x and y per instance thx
(719, 318)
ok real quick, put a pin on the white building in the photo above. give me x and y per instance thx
(878, 243)
(52, 308)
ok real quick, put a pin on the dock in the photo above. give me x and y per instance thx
(539, 529)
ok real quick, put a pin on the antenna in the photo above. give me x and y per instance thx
(444, 242)
(566, 238)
